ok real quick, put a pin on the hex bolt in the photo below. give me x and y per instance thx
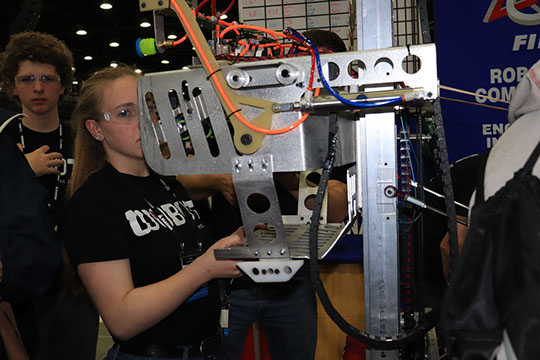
(143, 5)
(282, 251)
(256, 253)
(269, 252)
(276, 107)
(160, 2)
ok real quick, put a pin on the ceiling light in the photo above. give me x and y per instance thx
(105, 5)
(164, 61)
(81, 32)
(138, 71)
(223, 17)
(114, 44)
(88, 57)
(185, 68)
(145, 24)
(114, 64)
(172, 37)
(75, 82)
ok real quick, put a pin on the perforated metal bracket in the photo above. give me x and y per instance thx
(258, 203)
(267, 271)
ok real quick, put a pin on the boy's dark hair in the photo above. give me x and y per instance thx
(325, 40)
(38, 47)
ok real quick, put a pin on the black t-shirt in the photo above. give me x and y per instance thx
(33, 140)
(109, 218)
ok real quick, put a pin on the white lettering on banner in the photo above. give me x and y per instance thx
(490, 142)
(489, 130)
(494, 129)
(507, 75)
(526, 39)
(503, 93)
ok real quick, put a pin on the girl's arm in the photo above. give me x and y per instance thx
(127, 311)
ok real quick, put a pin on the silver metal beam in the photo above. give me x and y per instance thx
(376, 147)
(374, 24)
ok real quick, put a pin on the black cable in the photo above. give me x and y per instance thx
(371, 341)
(231, 114)
(442, 154)
(209, 76)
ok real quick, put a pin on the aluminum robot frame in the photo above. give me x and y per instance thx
(273, 91)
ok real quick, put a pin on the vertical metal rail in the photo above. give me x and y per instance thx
(374, 24)
(376, 146)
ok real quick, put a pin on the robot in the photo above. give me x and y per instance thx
(279, 124)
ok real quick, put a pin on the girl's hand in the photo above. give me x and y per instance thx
(220, 268)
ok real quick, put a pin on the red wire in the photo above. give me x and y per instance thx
(200, 6)
(209, 68)
(227, 9)
(272, 33)
(181, 40)
(312, 73)
(213, 8)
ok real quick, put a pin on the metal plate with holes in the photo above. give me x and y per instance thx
(268, 271)
(297, 238)
(301, 149)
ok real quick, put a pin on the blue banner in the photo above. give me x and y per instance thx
(483, 47)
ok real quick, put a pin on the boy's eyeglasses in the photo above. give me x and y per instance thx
(31, 79)
(123, 114)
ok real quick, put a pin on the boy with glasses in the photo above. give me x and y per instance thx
(37, 69)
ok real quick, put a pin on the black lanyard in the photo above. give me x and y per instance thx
(60, 147)
(187, 254)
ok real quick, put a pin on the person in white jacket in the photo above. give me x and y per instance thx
(513, 149)
(494, 287)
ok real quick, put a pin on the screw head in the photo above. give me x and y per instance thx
(246, 139)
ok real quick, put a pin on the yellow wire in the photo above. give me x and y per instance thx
(472, 103)
(472, 94)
